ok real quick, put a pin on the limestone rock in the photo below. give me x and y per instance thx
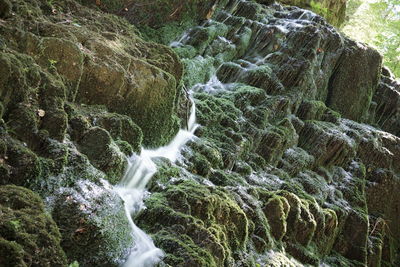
(354, 82)
(387, 100)
(155, 13)
(93, 225)
(103, 153)
(28, 235)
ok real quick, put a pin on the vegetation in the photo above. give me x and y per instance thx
(377, 23)
(286, 167)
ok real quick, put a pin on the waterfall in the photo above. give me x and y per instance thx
(132, 190)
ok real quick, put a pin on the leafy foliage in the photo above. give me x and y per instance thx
(377, 22)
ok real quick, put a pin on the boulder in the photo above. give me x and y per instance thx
(93, 224)
(28, 235)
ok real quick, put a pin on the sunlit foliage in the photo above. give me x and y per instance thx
(377, 22)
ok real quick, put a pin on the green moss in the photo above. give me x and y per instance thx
(189, 252)
(28, 236)
(1, 110)
(16, 77)
(225, 178)
(316, 110)
(332, 149)
(166, 172)
(93, 224)
(20, 166)
(198, 70)
(125, 147)
(151, 106)
(276, 210)
(211, 221)
(167, 33)
(276, 140)
(121, 127)
(157, 13)
(102, 152)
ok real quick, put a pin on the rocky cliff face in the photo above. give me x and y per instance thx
(296, 161)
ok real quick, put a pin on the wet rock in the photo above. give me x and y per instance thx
(321, 141)
(203, 223)
(333, 10)
(28, 235)
(352, 242)
(18, 165)
(387, 99)
(103, 153)
(277, 210)
(361, 65)
(376, 241)
(274, 172)
(93, 224)
(277, 93)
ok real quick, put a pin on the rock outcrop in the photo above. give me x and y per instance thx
(333, 10)
(282, 135)
(79, 92)
(28, 235)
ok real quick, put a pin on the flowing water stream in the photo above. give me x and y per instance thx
(132, 190)
(141, 167)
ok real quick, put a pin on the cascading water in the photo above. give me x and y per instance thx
(132, 190)
(142, 167)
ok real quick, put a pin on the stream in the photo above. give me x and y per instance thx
(132, 190)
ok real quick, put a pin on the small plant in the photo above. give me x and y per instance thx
(318, 8)
(74, 264)
(52, 62)
(52, 65)
(15, 224)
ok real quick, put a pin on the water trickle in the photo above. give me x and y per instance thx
(132, 190)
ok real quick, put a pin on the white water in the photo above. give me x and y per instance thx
(133, 189)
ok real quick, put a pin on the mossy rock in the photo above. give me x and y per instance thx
(276, 140)
(93, 224)
(156, 13)
(103, 153)
(277, 210)
(210, 223)
(28, 235)
(106, 5)
(334, 11)
(19, 164)
(65, 57)
(121, 127)
(352, 242)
